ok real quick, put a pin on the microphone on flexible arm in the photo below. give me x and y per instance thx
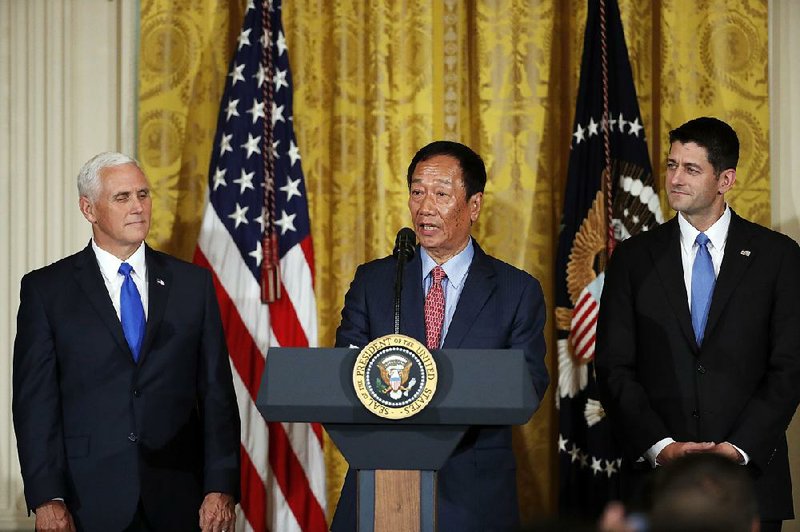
(404, 249)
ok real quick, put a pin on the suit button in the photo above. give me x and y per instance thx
(695, 414)
(701, 368)
(133, 437)
(136, 392)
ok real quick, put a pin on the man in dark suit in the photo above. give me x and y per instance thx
(698, 338)
(487, 304)
(123, 400)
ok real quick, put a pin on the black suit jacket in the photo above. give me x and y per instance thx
(500, 307)
(103, 432)
(740, 386)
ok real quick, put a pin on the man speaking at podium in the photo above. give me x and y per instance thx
(455, 296)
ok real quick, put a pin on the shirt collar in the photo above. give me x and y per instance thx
(456, 267)
(109, 264)
(717, 233)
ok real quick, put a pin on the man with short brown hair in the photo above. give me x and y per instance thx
(698, 338)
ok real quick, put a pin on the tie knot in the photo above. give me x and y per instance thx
(438, 274)
(125, 269)
(702, 239)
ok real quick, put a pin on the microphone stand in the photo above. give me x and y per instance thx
(398, 288)
(403, 250)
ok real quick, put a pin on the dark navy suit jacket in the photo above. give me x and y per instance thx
(103, 432)
(741, 386)
(500, 307)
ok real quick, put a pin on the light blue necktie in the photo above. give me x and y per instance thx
(703, 280)
(131, 311)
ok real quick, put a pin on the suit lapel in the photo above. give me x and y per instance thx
(666, 253)
(734, 264)
(479, 286)
(412, 319)
(89, 278)
(159, 281)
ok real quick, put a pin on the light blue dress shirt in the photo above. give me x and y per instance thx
(457, 269)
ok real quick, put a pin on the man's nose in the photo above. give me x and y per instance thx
(675, 177)
(428, 202)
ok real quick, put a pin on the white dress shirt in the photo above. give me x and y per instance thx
(717, 235)
(109, 268)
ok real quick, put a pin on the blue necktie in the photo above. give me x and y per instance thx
(703, 280)
(131, 311)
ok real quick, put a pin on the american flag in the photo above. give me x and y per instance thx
(608, 134)
(257, 217)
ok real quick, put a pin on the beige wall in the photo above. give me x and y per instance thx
(67, 80)
(785, 159)
(67, 91)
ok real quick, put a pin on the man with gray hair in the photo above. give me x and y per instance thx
(123, 400)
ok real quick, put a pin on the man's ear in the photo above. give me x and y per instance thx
(87, 209)
(474, 205)
(726, 180)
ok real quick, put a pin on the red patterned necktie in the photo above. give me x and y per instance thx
(434, 309)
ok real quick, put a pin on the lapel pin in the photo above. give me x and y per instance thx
(159, 281)
(745, 252)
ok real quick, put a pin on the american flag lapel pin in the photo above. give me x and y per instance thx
(745, 252)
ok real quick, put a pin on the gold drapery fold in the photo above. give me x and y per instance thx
(184, 50)
(374, 81)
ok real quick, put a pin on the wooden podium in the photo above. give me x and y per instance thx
(397, 460)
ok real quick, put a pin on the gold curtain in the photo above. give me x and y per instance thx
(184, 51)
(376, 80)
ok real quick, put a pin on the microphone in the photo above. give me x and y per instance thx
(405, 244)
(404, 249)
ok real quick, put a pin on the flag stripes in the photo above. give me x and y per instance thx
(283, 470)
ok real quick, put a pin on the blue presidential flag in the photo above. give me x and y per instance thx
(609, 196)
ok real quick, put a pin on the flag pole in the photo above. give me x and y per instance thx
(607, 181)
(270, 265)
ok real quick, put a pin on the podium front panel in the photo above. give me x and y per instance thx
(476, 387)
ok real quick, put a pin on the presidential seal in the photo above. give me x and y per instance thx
(395, 376)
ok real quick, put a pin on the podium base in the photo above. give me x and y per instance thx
(391, 500)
